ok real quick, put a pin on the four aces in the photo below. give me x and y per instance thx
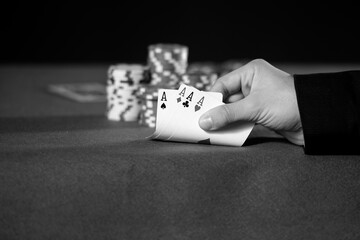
(178, 113)
(189, 98)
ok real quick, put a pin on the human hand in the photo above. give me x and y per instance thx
(260, 93)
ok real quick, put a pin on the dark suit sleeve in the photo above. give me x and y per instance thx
(329, 105)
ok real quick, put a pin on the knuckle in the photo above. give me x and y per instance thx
(258, 64)
(258, 61)
(253, 108)
(222, 87)
(227, 114)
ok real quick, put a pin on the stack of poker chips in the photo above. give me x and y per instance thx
(167, 63)
(122, 89)
(199, 80)
(148, 95)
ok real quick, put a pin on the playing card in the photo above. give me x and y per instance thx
(167, 102)
(183, 125)
(165, 108)
(168, 122)
(190, 131)
(181, 114)
(215, 95)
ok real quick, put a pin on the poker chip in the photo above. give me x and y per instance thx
(148, 96)
(148, 112)
(128, 74)
(167, 62)
(165, 78)
(148, 92)
(124, 80)
(201, 81)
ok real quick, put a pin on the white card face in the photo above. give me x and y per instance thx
(233, 135)
(181, 101)
(191, 131)
(165, 109)
(216, 95)
(166, 113)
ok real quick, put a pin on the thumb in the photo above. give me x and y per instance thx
(225, 114)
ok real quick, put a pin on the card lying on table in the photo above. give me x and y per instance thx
(178, 113)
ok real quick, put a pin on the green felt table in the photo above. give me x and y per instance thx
(66, 172)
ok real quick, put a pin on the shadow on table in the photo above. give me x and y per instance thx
(260, 140)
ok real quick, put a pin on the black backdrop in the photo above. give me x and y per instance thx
(64, 32)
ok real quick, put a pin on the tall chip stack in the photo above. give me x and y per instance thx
(122, 88)
(167, 63)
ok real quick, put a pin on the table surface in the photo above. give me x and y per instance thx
(66, 172)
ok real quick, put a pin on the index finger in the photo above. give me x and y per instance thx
(239, 80)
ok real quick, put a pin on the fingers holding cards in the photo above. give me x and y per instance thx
(178, 114)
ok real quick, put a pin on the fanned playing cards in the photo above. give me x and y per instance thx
(178, 113)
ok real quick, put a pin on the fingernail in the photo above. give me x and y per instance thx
(206, 123)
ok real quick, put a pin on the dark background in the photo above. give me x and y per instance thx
(104, 32)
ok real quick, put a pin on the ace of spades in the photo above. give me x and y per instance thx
(165, 109)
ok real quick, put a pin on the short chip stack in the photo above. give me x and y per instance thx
(201, 81)
(122, 89)
(148, 95)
